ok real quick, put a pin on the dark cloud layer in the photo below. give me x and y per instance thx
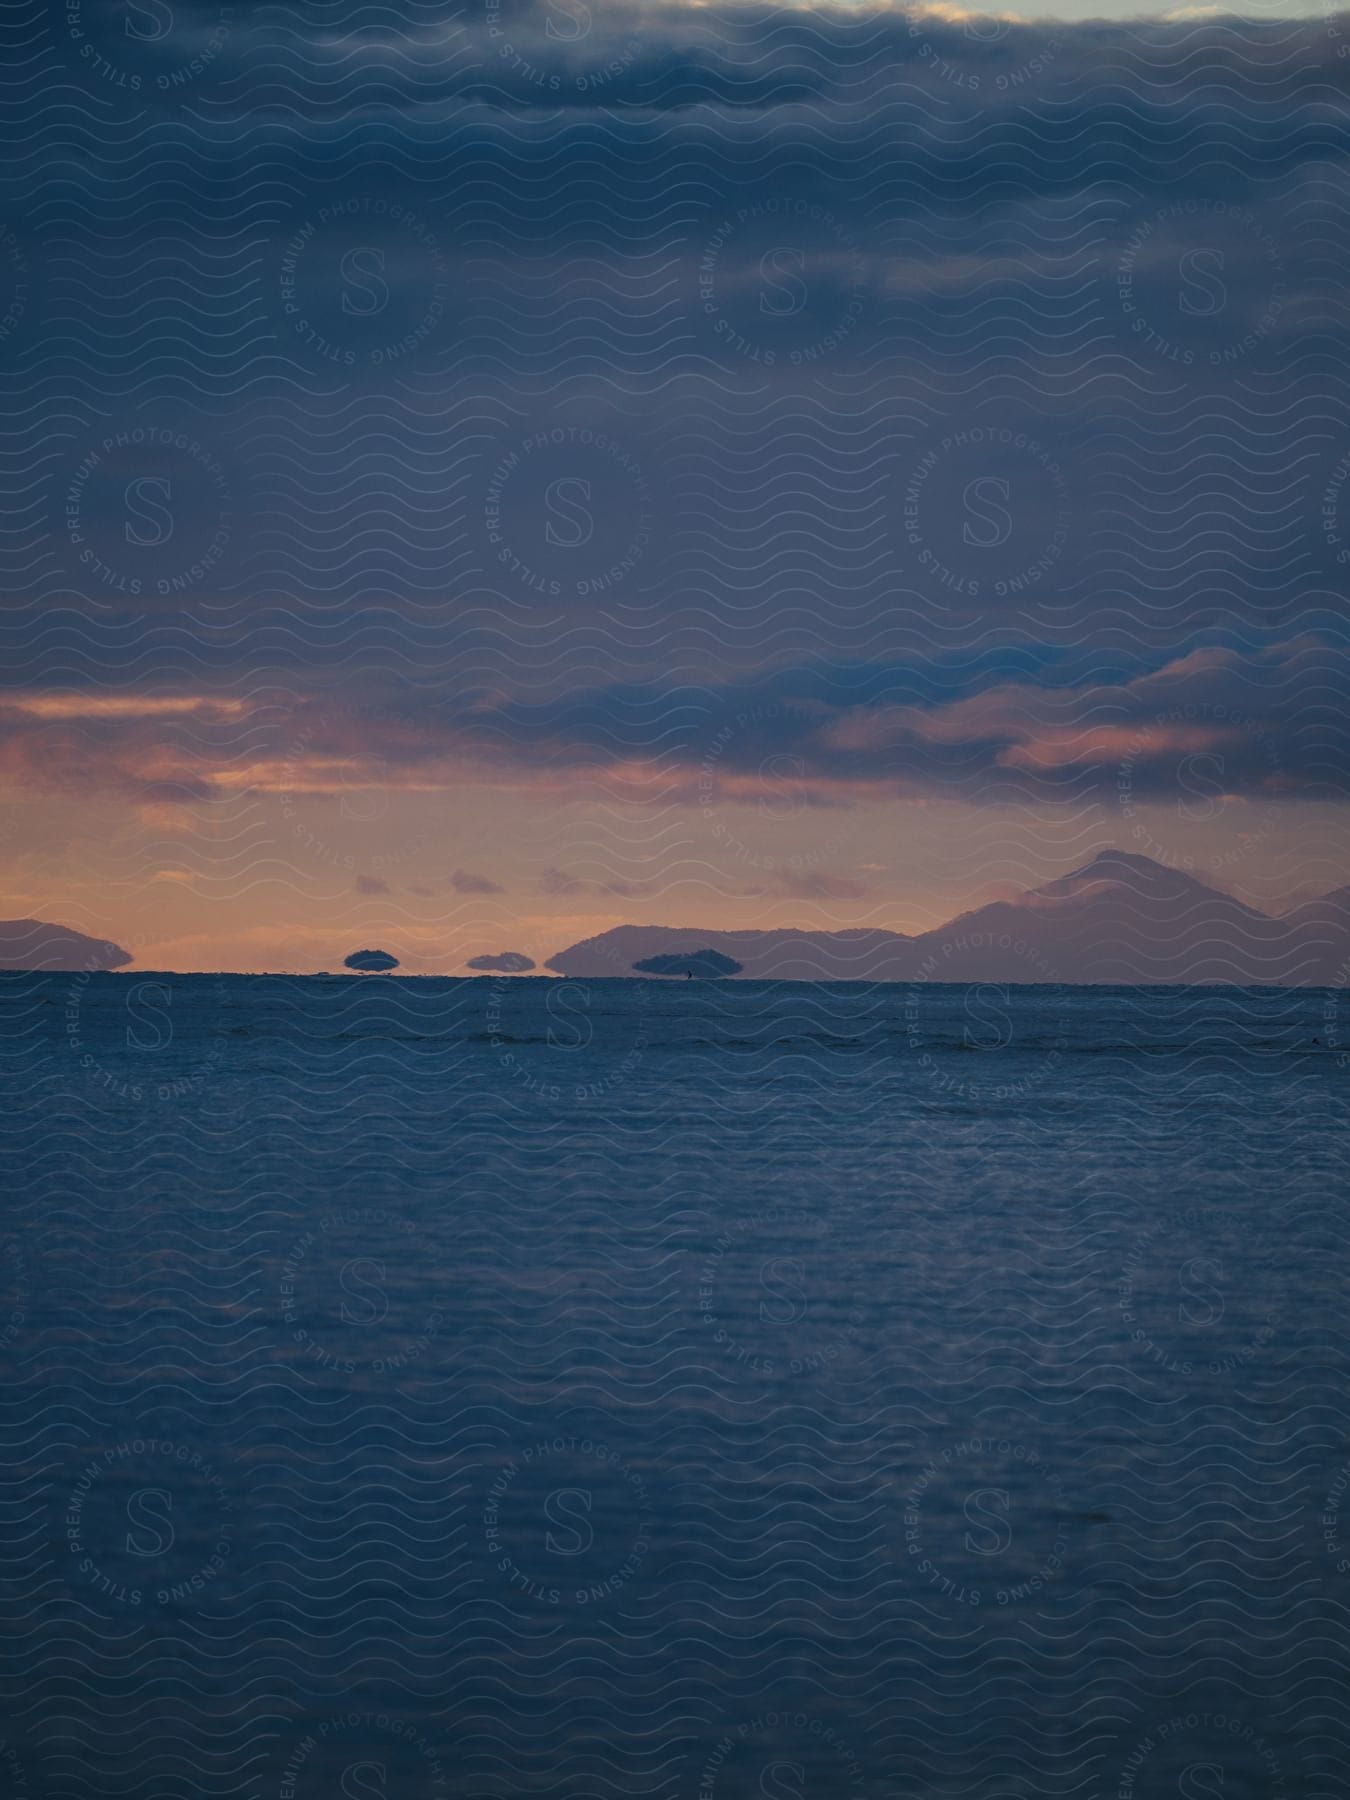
(1267, 721)
(962, 380)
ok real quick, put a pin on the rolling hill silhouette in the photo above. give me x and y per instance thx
(1120, 918)
(34, 944)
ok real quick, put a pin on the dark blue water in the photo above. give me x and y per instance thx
(499, 1388)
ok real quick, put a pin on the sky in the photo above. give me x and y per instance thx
(480, 474)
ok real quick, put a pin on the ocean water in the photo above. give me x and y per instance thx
(507, 1387)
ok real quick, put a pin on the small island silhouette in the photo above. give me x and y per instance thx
(708, 963)
(370, 961)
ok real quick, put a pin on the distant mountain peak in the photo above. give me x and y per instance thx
(1114, 859)
(1139, 875)
(1120, 917)
(1124, 865)
(37, 944)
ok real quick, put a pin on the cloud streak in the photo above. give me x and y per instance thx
(1275, 717)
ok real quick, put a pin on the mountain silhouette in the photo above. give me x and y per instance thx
(1119, 918)
(34, 944)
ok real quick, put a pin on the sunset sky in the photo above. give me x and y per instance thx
(673, 464)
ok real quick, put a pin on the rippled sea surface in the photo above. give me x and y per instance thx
(498, 1388)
